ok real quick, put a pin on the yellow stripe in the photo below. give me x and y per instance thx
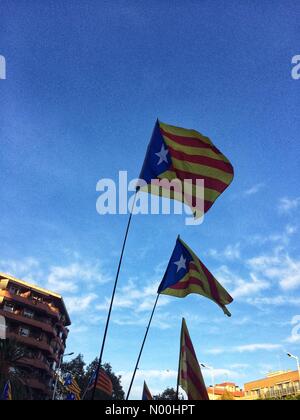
(202, 170)
(195, 151)
(186, 132)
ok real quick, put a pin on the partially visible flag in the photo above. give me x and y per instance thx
(185, 154)
(7, 392)
(186, 274)
(73, 388)
(103, 383)
(146, 393)
(190, 375)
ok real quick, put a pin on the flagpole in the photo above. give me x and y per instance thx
(142, 347)
(113, 294)
(179, 360)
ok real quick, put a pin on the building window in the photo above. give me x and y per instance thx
(9, 307)
(28, 313)
(24, 332)
(13, 290)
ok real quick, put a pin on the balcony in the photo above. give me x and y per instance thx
(38, 385)
(28, 321)
(28, 301)
(36, 364)
(31, 342)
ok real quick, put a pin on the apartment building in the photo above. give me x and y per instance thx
(279, 384)
(37, 319)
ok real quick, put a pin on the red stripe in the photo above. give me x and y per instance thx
(202, 160)
(185, 284)
(188, 343)
(212, 283)
(190, 141)
(212, 183)
(198, 383)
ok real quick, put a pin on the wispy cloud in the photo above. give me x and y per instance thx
(254, 189)
(78, 304)
(69, 278)
(245, 348)
(231, 252)
(278, 266)
(286, 205)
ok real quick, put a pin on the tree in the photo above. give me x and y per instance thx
(168, 394)
(226, 396)
(83, 374)
(11, 354)
(118, 393)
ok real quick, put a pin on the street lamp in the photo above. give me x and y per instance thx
(298, 365)
(57, 370)
(212, 376)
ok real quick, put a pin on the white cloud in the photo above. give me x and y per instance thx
(254, 189)
(255, 347)
(26, 268)
(245, 288)
(231, 252)
(78, 304)
(279, 300)
(138, 299)
(69, 278)
(245, 348)
(278, 266)
(286, 205)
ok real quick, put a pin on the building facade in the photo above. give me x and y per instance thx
(225, 390)
(278, 384)
(38, 320)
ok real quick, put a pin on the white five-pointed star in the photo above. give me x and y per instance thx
(181, 263)
(162, 155)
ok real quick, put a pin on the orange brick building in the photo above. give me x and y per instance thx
(37, 319)
(226, 388)
(276, 385)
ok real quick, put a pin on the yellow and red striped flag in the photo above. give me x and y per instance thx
(187, 156)
(146, 393)
(186, 274)
(190, 376)
(104, 383)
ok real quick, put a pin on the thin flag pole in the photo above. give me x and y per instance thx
(113, 294)
(179, 362)
(142, 347)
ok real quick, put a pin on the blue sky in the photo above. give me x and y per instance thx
(85, 84)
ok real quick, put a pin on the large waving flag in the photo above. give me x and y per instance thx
(184, 154)
(73, 388)
(186, 274)
(146, 393)
(7, 392)
(190, 375)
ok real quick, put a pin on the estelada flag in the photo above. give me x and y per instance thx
(7, 392)
(190, 375)
(186, 274)
(146, 393)
(187, 156)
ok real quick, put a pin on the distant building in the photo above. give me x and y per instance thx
(37, 319)
(224, 389)
(276, 385)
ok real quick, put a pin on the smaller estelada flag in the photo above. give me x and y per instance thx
(146, 393)
(103, 383)
(186, 274)
(190, 375)
(7, 392)
(73, 388)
